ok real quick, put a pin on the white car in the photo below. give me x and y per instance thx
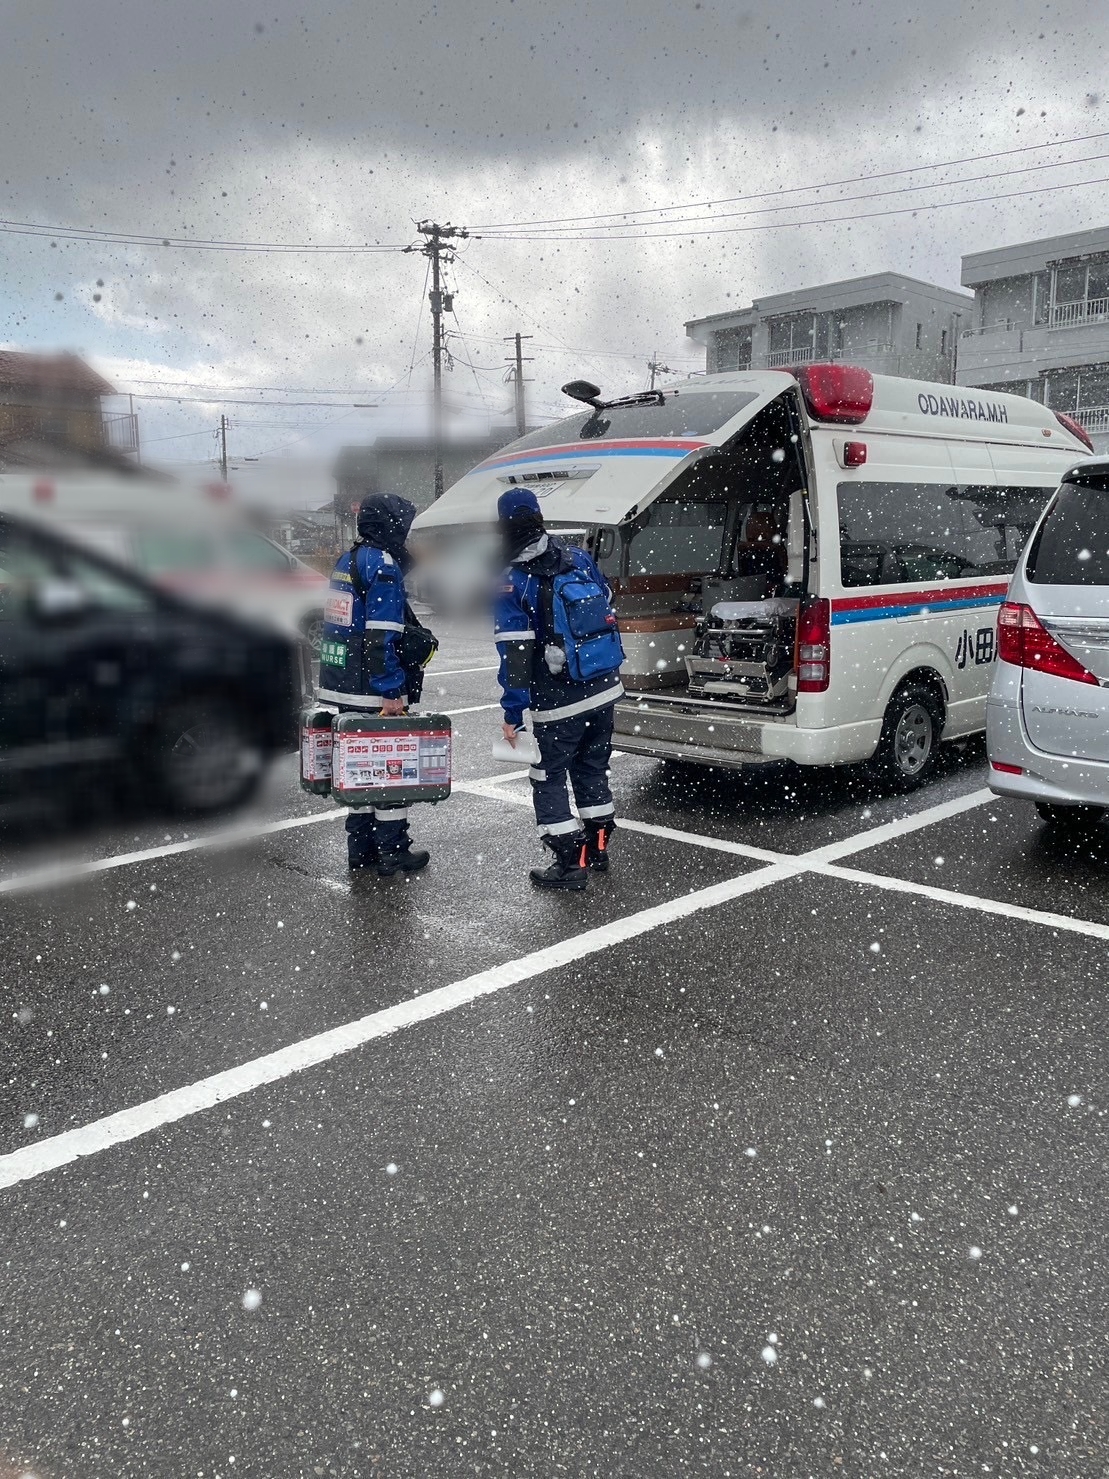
(1047, 718)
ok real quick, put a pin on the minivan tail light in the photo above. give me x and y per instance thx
(835, 392)
(1075, 429)
(1024, 641)
(814, 647)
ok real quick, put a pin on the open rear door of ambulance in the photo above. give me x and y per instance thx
(606, 465)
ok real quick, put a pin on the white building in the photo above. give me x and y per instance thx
(1040, 325)
(894, 325)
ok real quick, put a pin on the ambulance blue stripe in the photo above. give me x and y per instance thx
(888, 613)
(588, 456)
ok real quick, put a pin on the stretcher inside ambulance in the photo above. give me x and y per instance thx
(804, 563)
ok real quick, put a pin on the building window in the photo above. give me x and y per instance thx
(1080, 292)
(943, 341)
(919, 334)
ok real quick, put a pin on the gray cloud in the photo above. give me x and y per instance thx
(343, 121)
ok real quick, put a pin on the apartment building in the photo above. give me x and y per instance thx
(1040, 325)
(894, 325)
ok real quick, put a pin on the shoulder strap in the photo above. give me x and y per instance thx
(355, 574)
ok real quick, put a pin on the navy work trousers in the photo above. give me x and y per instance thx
(579, 748)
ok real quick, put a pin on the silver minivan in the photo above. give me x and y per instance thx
(1047, 717)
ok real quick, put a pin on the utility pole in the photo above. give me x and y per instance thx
(657, 369)
(438, 253)
(517, 376)
(223, 447)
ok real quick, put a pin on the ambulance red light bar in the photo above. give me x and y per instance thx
(834, 392)
(1071, 425)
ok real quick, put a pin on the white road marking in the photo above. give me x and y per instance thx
(473, 709)
(966, 901)
(875, 836)
(434, 673)
(56, 873)
(128, 1124)
(649, 829)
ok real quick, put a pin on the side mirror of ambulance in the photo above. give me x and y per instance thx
(59, 600)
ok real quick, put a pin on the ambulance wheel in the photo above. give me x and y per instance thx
(910, 738)
(203, 757)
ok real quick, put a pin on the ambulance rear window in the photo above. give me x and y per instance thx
(682, 414)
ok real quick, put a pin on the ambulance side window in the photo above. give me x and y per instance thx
(920, 533)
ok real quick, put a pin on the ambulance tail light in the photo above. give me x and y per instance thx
(1070, 424)
(1023, 641)
(835, 392)
(814, 647)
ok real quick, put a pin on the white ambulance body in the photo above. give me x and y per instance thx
(806, 564)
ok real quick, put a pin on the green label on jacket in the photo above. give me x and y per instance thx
(334, 654)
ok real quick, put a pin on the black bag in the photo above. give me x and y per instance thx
(418, 644)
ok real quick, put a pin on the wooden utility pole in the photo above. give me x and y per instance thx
(517, 374)
(439, 253)
(223, 447)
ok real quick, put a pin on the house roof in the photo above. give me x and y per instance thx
(50, 372)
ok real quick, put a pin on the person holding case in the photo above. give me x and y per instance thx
(372, 659)
(560, 657)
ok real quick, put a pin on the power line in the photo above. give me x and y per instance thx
(907, 210)
(133, 238)
(840, 200)
(221, 400)
(797, 189)
(235, 389)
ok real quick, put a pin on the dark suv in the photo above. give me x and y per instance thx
(104, 677)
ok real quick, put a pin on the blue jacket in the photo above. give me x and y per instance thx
(525, 679)
(360, 659)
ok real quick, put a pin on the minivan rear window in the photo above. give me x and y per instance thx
(682, 414)
(1072, 544)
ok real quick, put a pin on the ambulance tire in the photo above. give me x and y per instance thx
(910, 738)
(202, 757)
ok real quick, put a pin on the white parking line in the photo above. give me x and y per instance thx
(912, 822)
(1066, 922)
(128, 1124)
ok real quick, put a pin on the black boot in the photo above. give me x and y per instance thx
(568, 869)
(598, 832)
(395, 852)
(407, 859)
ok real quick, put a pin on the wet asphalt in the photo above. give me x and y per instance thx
(811, 1182)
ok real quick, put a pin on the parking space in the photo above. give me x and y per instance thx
(780, 1151)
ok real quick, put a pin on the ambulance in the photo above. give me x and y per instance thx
(806, 564)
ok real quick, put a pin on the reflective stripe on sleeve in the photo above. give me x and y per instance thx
(385, 626)
(522, 636)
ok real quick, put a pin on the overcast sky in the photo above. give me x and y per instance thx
(342, 122)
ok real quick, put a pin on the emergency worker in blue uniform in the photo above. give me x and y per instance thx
(362, 662)
(572, 719)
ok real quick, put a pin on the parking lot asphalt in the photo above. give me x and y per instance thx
(781, 1151)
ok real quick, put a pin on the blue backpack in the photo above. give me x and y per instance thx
(583, 623)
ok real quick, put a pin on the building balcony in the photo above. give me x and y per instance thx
(121, 431)
(880, 359)
(1094, 419)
